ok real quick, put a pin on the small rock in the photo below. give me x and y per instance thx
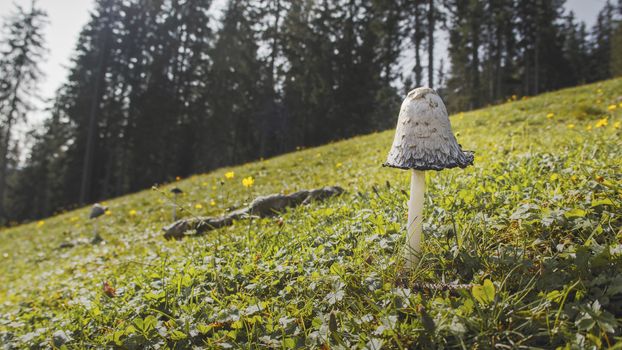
(65, 245)
(60, 338)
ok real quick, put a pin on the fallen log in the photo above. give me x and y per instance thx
(262, 206)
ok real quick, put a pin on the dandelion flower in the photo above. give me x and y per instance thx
(602, 122)
(338, 165)
(550, 115)
(229, 175)
(212, 202)
(248, 181)
(616, 125)
(554, 177)
(40, 223)
(570, 126)
(132, 212)
(198, 206)
(612, 107)
(108, 212)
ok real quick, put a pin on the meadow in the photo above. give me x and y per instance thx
(535, 226)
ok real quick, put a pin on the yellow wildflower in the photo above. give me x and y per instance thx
(602, 122)
(132, 212)
(338, 165)
(550, 115)
(554, 177)
(213, 188)
(198, 206)
(40, 223)
(212, 202)
(108, 212)
(616, 125)
(74, 219)
(229, 175)
(588, 128)
(612, 107)
(204, 184)
(248, 181)
(570, 126)
(599, 91)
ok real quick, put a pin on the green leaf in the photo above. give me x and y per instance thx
(575, 213)
(178, 335)
(289, 343)
(605, 201)
(554, 296)
(204, 328)
(485, 293)
(117, 337)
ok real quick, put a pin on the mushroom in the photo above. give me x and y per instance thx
(423, 141)
(175, 191)
(96, 211)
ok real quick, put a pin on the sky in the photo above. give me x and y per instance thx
(67, 17)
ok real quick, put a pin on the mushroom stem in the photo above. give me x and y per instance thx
(175, 207)
(415, 218)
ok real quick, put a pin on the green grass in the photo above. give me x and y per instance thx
(539, 215)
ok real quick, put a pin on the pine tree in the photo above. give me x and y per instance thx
(602, 40)
(576, 51)
(22, 50)
(237, 87)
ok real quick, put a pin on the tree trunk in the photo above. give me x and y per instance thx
(3, 163)
(536, 69)
(6, 142)
(417, 41)
(271, 109)
(87, 169)
(431, 25)
(475, 65)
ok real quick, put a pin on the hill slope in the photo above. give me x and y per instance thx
(539, 216)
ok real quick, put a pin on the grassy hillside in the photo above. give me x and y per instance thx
(535, 225)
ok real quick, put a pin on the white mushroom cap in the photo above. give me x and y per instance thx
(97, 210)
(423, 138)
